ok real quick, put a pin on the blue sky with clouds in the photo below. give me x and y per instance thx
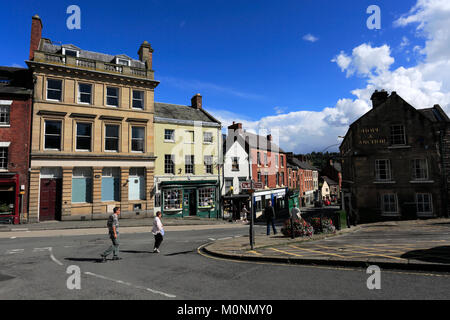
(290, 65)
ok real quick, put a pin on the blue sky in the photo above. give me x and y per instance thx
(248, 59)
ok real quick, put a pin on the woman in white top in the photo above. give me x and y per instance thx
(157, 231)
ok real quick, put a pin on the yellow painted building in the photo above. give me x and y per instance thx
(92, 132)
(188, 153)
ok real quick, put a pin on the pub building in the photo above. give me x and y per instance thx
(396, 161)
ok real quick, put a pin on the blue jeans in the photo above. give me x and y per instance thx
(269, 222)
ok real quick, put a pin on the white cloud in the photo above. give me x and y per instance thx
(365, 59)
(309, 37)
(423, 85)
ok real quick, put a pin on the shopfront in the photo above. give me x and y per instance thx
(9, 198)
(278, 198)
(188, 198)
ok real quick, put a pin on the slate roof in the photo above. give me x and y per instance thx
(181, 112)
(15, 81)
(57, 49)
(435, 114)
(330, 182)
(302, 164)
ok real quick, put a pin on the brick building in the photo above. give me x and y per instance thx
(92, 141)
(15, 122)
(396, 161)
(306, 178)
(268, 165)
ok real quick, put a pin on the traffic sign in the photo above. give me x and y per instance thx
(245, 185)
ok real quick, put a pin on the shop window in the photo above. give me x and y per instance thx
(82, 185)
(173, 199)
(111, 184)
(206, 197)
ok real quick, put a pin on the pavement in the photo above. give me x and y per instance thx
(63, 225)
(422, 245)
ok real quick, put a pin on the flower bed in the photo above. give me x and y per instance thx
(301, 228)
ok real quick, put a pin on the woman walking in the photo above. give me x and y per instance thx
(157, 231)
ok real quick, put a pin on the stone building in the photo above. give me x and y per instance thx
(396, 161)
(15, 124)
(92, 144)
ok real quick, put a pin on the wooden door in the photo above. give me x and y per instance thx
(50, 200)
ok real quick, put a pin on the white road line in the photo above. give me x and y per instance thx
(129, 284)
(212, 239)
(13, 237)
(20, 229)
(53, 257)
(42, 249)
(12, 251)
(225, 238)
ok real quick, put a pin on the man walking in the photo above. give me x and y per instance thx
(113, 228)
(269, 214)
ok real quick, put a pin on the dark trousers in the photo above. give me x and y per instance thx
(158, 240)
(271, 222)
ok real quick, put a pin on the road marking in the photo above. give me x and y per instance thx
(42, 249)
(54, 259)
(212, 239)
(377, 255)
(130, 285)
(225, 238)
(373, 249)
(320, 252)
(20, 229)
(13, 237)
(255, 252)
(13, 251)
(339, 268)
(285, 252)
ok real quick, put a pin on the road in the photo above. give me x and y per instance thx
(35, 268)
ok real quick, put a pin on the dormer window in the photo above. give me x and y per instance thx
(123, 62)
(70, 52)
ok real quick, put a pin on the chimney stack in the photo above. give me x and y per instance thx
(36, 34)
(235, 126)
(378, 98)
(146, 54)
(196, 101)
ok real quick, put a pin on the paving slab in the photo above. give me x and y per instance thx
(410, 245)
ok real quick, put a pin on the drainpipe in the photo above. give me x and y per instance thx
(444, 175)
